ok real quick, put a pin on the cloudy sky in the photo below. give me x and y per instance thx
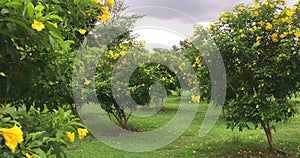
(166, 17)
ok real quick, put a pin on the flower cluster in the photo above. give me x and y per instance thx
(12, 137)
(81, 134)
(105, 16)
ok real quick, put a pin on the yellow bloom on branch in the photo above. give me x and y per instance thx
(96, 1)
(105, 10)
(286, 20)
(86, 81)
(275, 37)
(269, 26)
(261, 23)
(195, 99)
(81, 31)
(284, 35)
(70, 136)
(110, 2)
(256, 13)
(82, 132)
(39, 26)
(257, 106)
(29, 156)
(256, 5)
(297, 34)
(12, 137)
(143, 43)
(105, 15)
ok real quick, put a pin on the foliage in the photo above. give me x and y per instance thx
(38, 43)
(43, 132)
(260, 48)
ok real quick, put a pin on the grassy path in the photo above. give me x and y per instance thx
(219, 142)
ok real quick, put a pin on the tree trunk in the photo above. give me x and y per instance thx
(268, 131)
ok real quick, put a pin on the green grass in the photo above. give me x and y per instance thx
(219, 142)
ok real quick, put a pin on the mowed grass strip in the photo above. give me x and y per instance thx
(219, 142)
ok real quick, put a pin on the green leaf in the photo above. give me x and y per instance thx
(19, 22)
(54, 17)
(4, 11)
(15, 5)
(35, 135)
(30, 10)
(39, 153)
(2, 74)
(39, 8)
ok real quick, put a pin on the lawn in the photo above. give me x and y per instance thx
(219, 142)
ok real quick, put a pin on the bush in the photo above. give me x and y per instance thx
(38, 133)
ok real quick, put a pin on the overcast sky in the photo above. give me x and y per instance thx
(177, 16)
(201, 10)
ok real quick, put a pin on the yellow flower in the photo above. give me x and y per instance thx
(236, 16)
(70, 136)
(286, 20)
(37, 25)
(105, 16)
(258, 38)
(284, 35)
(289, 110)
(12, 137)
(281, 2)
(297, 34)
(261, 85)
(256, 5)
(196, 99)
(96, 1)
(86, 81)
(243, 35)
(269, 26)
(81, 31)
(110, 2)
(29, 156)
(122, 53)
(82, 132)
(289, 13)
(122, 46)
(116, 56)
(54, 24)
(211, 25)
(257, 106)
(256, 13)
(271, 5)
(255, 28)
(275, 37)
(281, 55)
(105, 10)
(261, 23)
(142, 43)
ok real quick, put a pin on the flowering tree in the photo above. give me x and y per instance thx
(38, 44)
(260, 48)
(39, 39)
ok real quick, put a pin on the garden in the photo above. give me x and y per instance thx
(75, 81)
